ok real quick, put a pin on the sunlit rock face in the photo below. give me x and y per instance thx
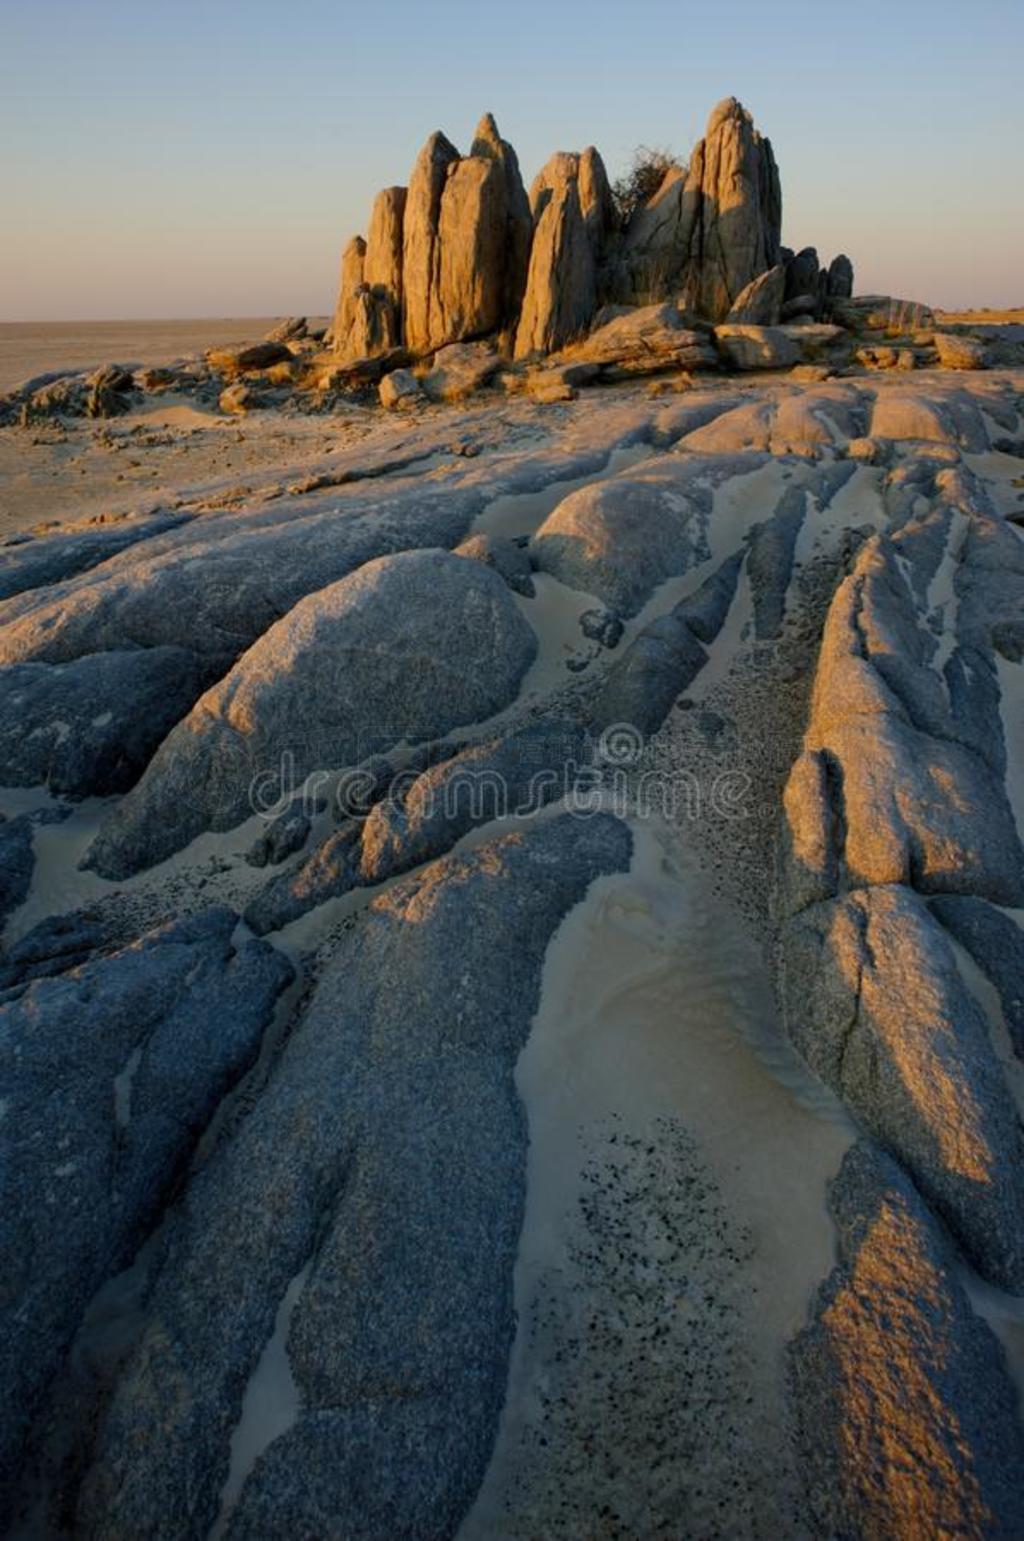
(462, 253)
(709, 233)
(569, 202)
(905, 1412)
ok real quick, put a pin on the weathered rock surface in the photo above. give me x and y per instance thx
(109, 1074)
(425, 813)
(404, 1132)
(239, 398)
(569, 201)
(911, 798)
(882, 312)
(906, 1413)
(622, 537)
(706, 235)
(53, 946)
(233, 578)
(291, 329)
(328, 872)
(460, 369)
(33, 563)
(996, 943)
(350, 282)
(246, 358)
(17, 861)
(401, 388)
(876, 1006)
(770, 563)
(659, 664)
(88, 728)
(330, 681)
(283, 836)
(760, 302)
(909, 414)
(507, 557)
(645, 341)
(775, 347)
(465, 241)
(957, 352)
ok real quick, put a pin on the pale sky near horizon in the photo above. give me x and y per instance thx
(211, 157)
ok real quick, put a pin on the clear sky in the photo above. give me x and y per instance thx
(210, 157)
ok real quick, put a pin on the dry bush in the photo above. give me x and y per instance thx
(643, 177)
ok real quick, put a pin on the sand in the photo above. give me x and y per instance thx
(675, 1224)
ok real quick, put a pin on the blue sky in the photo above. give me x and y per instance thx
(211, 158)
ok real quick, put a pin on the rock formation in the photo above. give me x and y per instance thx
(571, 218)
(323, 686)
(463, 255)
(464, 241)
(353, 262)
(708, 233)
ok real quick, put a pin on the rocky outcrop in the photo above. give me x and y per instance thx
(459, 370)
(350, 282)
(661, 662)
(839, 285)
(420, 248)
(645, 341)
(708, 234)
(17, 861)
(382, 265)
(877, 1008)
(479, 260)
(391, 1116)
(515, 260)
(445, 260)
(329, 684)
(108, 1075)
(899, 792)
(737, 211)
(87, 728)
(622, 537)
(571, 217)
(956, 352)
(776, 347)
(802, 275)
(760, 303)
(905, 1410)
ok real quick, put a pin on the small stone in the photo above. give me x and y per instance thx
(400, 389)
